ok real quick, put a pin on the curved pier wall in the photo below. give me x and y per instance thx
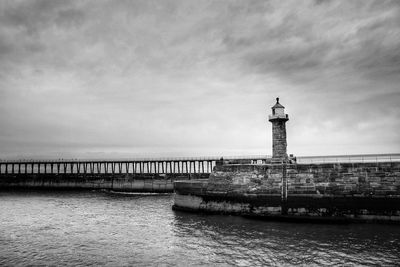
(157, 183)
(357, 191)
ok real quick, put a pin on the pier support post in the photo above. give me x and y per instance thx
(284, 193)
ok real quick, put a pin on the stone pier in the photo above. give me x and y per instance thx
(281, 188)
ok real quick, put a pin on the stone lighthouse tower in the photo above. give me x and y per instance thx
(278, 120)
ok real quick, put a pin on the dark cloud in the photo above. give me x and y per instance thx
(355, 37)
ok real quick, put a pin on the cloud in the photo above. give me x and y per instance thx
(162, 76)
(311, 40)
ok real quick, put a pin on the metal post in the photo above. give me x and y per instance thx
(112, 167)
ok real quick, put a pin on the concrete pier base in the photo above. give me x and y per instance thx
(299, 208)
(152, 183)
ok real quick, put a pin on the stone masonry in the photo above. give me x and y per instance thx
(278, 120)
(366, 179)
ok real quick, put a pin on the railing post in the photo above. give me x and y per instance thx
(106, 167)
(127, 167)
(112, 167)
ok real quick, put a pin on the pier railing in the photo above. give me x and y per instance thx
(182, 165)
(350, 158)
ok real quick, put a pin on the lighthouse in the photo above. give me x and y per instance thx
(278, 120)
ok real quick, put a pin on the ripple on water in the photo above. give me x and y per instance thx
(95, 228)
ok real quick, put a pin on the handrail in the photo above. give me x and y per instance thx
(204, 158)
(300, 159)
(349, 158)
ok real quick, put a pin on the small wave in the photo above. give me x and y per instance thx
(137, 193)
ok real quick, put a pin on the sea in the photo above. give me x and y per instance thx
(101, 228)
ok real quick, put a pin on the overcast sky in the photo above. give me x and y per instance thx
(187, 78)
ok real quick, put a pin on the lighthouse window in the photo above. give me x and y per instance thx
(273, 112)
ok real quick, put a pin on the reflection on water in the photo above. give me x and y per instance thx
(95, 228)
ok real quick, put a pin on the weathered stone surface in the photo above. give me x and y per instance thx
(361, 191)
(117, 182)
(279, 143)
(345, 178)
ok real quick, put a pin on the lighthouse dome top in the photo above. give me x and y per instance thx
(278, 112)
(277, 105)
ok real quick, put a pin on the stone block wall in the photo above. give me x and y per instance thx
(342, 191)
(328, 179)
(279, 143)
